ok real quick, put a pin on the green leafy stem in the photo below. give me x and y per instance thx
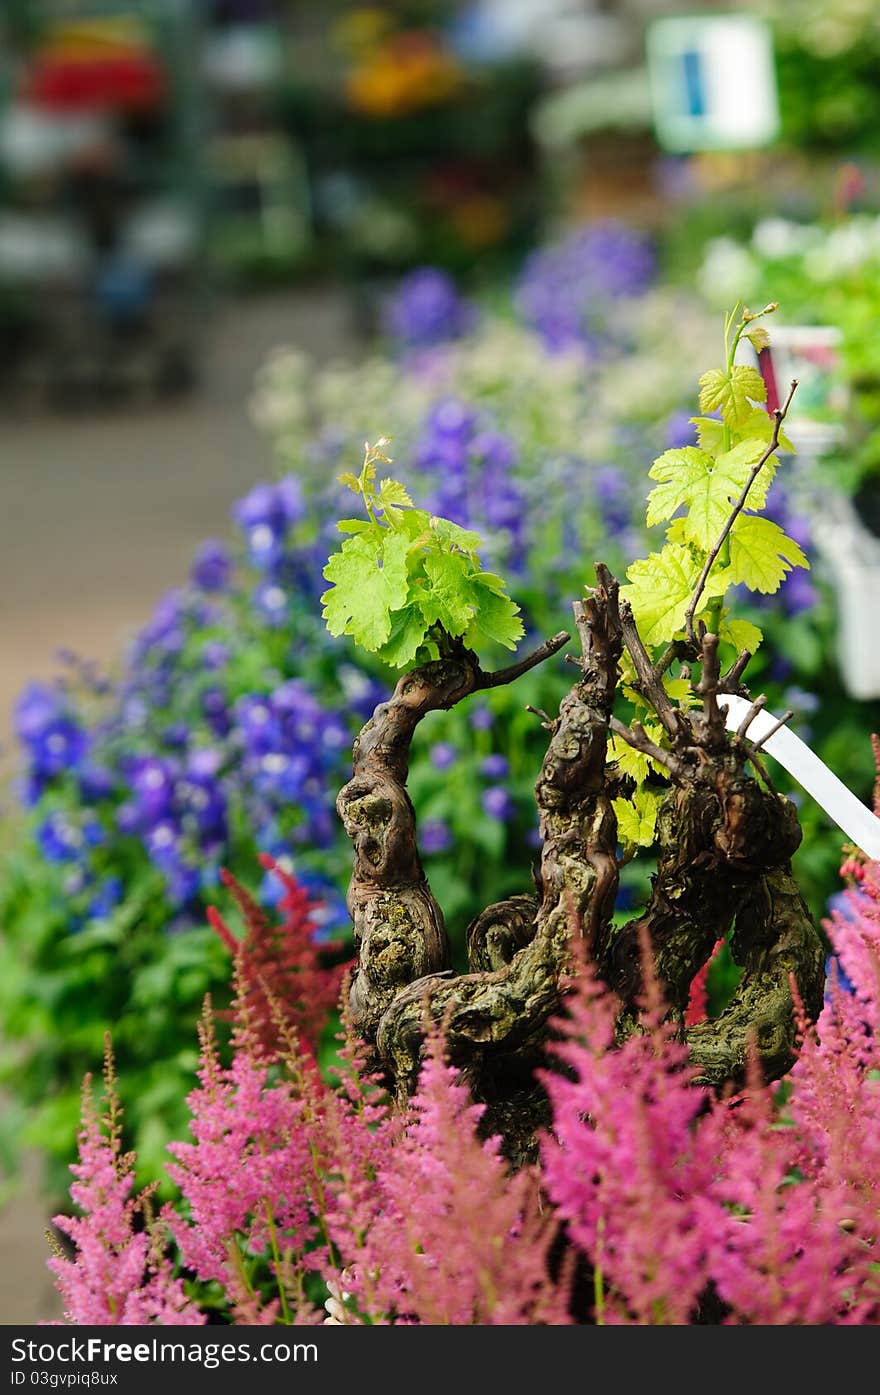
(407, 585)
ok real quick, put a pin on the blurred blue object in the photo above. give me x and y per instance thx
(123, 290)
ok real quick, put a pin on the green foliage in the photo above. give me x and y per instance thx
(637, 818)
(406, 582)
(698, 490)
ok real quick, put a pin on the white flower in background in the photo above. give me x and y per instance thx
(776, 238)
(279, 396)
(729, 273)
(846, 248)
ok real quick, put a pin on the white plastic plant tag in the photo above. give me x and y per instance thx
(840, 804)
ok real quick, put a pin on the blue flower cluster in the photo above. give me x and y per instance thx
(47, 726)
(564, 291)
(266, 517)
(207, 737)
(798, 593)
(469, 467)
(425, 309)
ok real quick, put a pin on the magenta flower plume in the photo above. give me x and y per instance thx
(245, 1178)
(119, 1274)
(624, 1164)
(454, 1237)
(778, 1254)
(284, 977)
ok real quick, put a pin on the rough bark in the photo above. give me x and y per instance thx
(725, 841)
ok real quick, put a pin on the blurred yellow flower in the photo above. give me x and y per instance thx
(407, 72)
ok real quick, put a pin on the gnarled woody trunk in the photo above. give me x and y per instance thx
(725, 843)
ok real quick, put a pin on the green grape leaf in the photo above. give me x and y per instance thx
(350, 480)
(760, 425)
(707, 488)
(414, 522)
(635, 763)
(661, 588)
(761, 554)
(737, 464)
(354, 525)
(757, 423)
(637, 819)
(758, 336)
(449, 600)
(683, 475)
(408, 635)
(497, 618)
(450, 534)
(733, 391)
(681, 692)
(742, 634)
(393, 494)
(370, 581)
(710, 434)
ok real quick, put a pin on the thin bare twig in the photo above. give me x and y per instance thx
(761, 769)
(730, 681)
(751, 714)
(648, 683)
(676, 649)
(546, 720)
(509, 675)
(778, 419)
(710, 677)
(786, 717)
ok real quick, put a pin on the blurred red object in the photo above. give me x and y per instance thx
(122, 82)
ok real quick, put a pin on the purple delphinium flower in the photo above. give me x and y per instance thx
(54, 741)
(797, 593)
(36, 708)
(495, 767)
(470, 466)
(481, 718)
(497, 803)
(611, 490)
(256, 724)
(214, 655)
(151, 780)
(212, 567)
(680, 431)
(164, 634)
(564, 290)
(426, 309)
(214, 705)
(273, 602)
(59, 838)
(265, 516)
(107, 896)
(443, 755)
(95, 783)
(434, 836)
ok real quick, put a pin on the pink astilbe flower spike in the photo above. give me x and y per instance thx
(282, 970)
(696, 1009)
(625, 1165)
(777, 1253)
(119, 1274)
(454, 1238)
(245, 1177)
